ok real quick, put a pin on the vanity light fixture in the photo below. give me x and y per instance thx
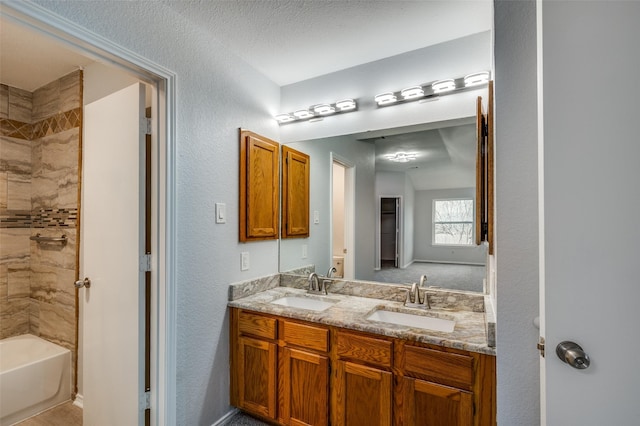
(412, 92)
(284, 118)
(385, 98)
(317, 112)
(302, 114)
(443, 85)
(476, 78)
(346, 105)
(324, 109)
(401, 157)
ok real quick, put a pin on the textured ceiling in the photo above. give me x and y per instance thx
(294, 40)
(286, 40)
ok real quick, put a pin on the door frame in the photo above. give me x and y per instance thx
(349, 213)
(162, 81)
(399, 231)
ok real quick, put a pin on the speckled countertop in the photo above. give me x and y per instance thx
(350, 312)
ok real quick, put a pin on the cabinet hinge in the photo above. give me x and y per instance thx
(540, 346)
(145, 262)
(145, 401)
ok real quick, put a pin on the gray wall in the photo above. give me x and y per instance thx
(517, 212)
(424, 248)
(361, 155)
(216, 94)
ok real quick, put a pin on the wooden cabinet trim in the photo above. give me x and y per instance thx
(366, 349)
(295, 193)
(307, 336)
(463, 401)
(268, 410)
(257, 325)
(259, 187)
(438, 366)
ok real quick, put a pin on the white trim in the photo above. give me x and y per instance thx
(541, 243)
(78, 401)
(349, 213)
(163, 368)
(447, 262)
(225, 419)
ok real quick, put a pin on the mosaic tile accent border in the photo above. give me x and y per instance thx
(49, 126)
(42, 218)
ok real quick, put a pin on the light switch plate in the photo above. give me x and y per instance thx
(316, 217)
(221, 213)
(244, 261)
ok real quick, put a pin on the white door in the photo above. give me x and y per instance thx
(112, 242)
(591, 262)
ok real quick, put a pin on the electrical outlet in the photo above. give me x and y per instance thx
(304, 251)
(244, 261)
(316, 217)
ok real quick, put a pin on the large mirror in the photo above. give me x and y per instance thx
(393, 205)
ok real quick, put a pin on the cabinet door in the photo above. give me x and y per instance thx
(304, 388)
(362, 395)
(257, 376)
(259, 187)
(295, 193)
(431, 404)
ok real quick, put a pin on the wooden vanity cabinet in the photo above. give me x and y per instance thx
(293, 372)
(363, 382)
(254, 363)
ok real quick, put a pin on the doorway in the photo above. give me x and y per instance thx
(162, 372)
(342, 217)
(389, 232)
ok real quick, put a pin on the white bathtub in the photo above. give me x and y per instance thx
(34, 375)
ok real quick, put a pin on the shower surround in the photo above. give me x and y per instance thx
(39, 157)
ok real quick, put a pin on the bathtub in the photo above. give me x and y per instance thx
(34, 375)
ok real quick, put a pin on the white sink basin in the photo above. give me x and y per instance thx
(302, 302)
(413, 320)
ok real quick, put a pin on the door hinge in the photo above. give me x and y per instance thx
(145, 401)
(145, 263)
(145, 125)
(540, 346)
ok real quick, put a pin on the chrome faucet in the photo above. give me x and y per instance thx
(316, 285)
(331, 271)
(423, 280)
(413, 295)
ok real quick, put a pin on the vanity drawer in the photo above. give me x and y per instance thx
(306, 336)
(366, 349)
(253, 324)
(438, 366)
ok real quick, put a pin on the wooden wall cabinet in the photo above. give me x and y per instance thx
(259, 187)
(295, 193)
(329, 375)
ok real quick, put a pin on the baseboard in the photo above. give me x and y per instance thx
(449, 263)
(225, 419)
(78, 401)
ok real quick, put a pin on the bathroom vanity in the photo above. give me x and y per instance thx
(342, 359)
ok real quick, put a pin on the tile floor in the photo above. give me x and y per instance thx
(65, 414)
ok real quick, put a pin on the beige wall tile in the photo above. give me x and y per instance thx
(18, 192)
(59, 151)
(14, 318)
(70, 91)
(20, 105)
(18, 280)
(53, 285)
(46, 101)
(14, 245)
(16, 155)
(4, 101)
(3, 190)
(34, 317)
(55, 255)
(58, 324)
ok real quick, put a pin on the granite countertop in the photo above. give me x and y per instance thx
(350, 312)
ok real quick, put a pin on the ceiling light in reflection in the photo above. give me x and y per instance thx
(443, 85)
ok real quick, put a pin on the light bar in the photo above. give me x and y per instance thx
(324, 109)
(302, 114)
(443, 85)
(346, 105)
(476, 78)
(412, 92)
(284, 118)
(385, 98)
(401, 157)
(316, 112)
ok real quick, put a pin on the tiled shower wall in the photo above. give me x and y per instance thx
(39, 146)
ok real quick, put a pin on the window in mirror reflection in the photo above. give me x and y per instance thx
(453, 222)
